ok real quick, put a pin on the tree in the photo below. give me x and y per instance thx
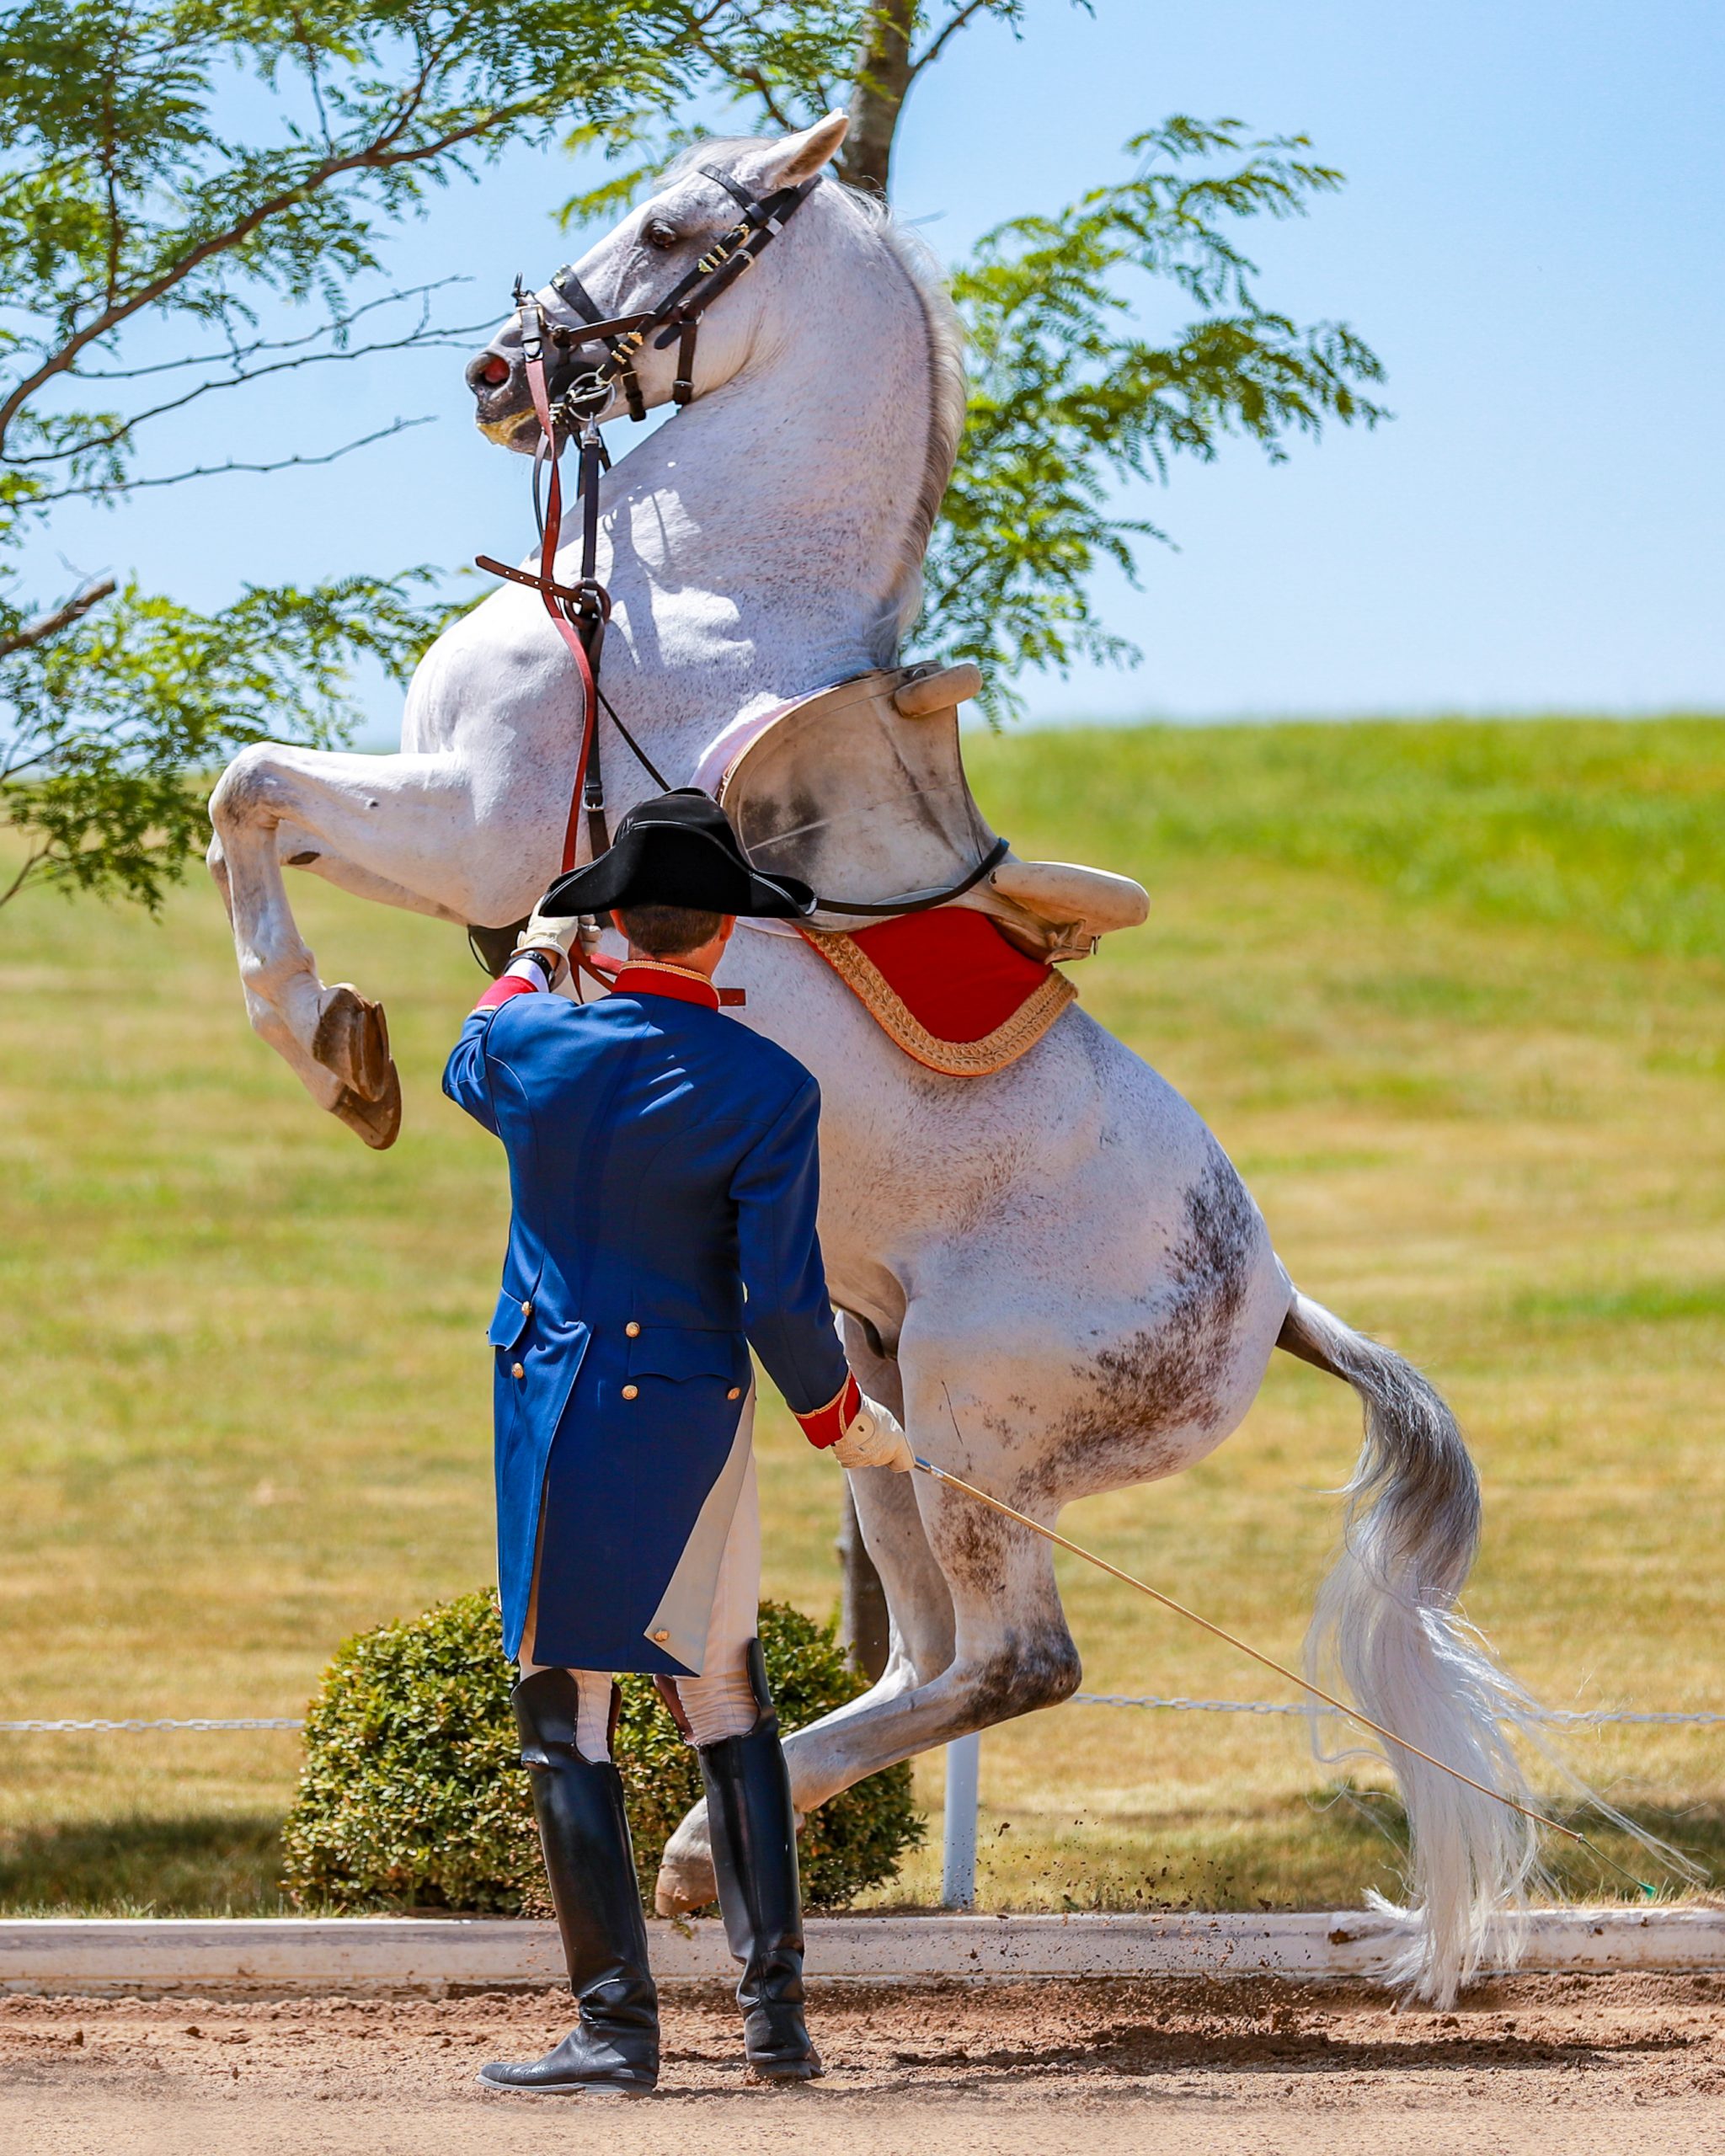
(151, 250)
(1069, 399)
(155, 259)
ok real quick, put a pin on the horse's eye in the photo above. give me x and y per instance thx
(661, 235)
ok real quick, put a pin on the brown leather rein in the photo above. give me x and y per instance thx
(581, 611)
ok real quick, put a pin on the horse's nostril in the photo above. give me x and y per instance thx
(494, 372)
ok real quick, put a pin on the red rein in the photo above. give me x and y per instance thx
(547, 568)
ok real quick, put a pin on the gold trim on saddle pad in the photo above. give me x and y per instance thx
(902, 1027)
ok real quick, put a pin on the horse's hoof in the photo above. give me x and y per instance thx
(683, 1887)
(352, 1041)
(378, 1122)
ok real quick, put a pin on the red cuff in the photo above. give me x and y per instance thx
(501, 991)
(826, 1425)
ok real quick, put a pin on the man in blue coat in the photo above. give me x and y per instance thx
(664, 1181)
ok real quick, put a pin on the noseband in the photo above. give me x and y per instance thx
(581, 611)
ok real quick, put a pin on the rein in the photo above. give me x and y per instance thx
(580, 612)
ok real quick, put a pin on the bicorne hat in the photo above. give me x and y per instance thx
(677, 850)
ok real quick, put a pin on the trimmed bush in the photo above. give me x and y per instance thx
(412, 1793)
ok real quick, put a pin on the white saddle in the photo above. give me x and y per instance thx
(860, 791)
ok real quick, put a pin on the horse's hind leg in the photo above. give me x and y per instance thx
(919, 1608)
(1008, 1652)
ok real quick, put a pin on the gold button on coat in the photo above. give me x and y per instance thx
(661, 1637)
(631, 1391)
(517, 1371)
(633, 1330)
(527, 1309)
(735, 1393)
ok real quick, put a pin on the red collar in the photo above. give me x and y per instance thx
(656, 977)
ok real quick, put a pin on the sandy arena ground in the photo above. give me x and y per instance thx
(1553, 2064)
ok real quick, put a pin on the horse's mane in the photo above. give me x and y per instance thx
(948, 388)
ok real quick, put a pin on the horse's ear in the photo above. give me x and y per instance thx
(797, 157)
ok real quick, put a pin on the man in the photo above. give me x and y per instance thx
(665, 1180)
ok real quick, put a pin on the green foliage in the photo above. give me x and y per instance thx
(109, 716)
(1069, 398)
(151, 258)
(196, 195)
(412, 1793)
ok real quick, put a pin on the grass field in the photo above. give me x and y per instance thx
(1453, 997)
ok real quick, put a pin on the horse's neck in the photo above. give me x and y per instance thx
(757, 542)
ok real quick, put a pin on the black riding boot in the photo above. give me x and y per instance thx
(754, 1831)
(584, 1834)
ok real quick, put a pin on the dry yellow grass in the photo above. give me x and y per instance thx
(245, 1389)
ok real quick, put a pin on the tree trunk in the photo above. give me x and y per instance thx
(883, 79)
(863, 1619)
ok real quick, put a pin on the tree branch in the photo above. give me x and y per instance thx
(97, 489)
(49, 625)
(933, 49)
(752, 76)
(31, 862)
(236, 353)
(376, 156)
(418, 340)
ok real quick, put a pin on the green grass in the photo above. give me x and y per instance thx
(1453, 995)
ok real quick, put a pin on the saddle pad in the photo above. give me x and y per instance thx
(948, 988)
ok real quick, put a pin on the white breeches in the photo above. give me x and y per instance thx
(719, 1703)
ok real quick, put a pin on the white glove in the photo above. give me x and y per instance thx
(552, 932)
(872, 1438)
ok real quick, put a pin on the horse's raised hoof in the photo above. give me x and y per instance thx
(378, 1122)
(352, 1040)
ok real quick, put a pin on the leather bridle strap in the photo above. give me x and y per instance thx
(677, 319)
(580, 613)
(567, 283)
(568, 611)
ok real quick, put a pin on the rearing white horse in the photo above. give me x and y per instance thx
(1061, 1248)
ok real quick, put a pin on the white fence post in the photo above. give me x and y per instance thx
(958, 1866)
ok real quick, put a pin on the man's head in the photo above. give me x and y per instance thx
(684, 934)
(676, 862)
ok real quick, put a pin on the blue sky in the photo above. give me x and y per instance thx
(1529, 237)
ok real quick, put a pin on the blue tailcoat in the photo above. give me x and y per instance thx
(662, 1164)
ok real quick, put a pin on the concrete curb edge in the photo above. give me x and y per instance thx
(434, 1956)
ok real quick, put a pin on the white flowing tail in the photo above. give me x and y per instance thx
(1386, 1625)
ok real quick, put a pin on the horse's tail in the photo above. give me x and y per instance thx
(1385, 1624)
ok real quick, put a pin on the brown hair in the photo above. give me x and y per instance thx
(668, 931)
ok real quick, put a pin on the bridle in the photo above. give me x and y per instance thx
(580, 612)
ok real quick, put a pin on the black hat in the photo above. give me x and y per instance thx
(677, 850)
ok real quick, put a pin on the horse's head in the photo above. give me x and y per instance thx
(633, 269)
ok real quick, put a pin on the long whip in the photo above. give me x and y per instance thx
(1268, 1662)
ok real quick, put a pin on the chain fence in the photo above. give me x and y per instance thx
(1591, 1718)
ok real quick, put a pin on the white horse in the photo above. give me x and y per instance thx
(1061, 1250)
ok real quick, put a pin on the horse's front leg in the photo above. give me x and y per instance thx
(403, 825)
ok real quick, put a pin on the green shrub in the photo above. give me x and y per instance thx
(412, 1794)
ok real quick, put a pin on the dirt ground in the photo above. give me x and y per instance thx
(1266, 2068)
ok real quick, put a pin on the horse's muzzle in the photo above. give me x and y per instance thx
(503, 407)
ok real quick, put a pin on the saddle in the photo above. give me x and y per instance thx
(859, 790)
